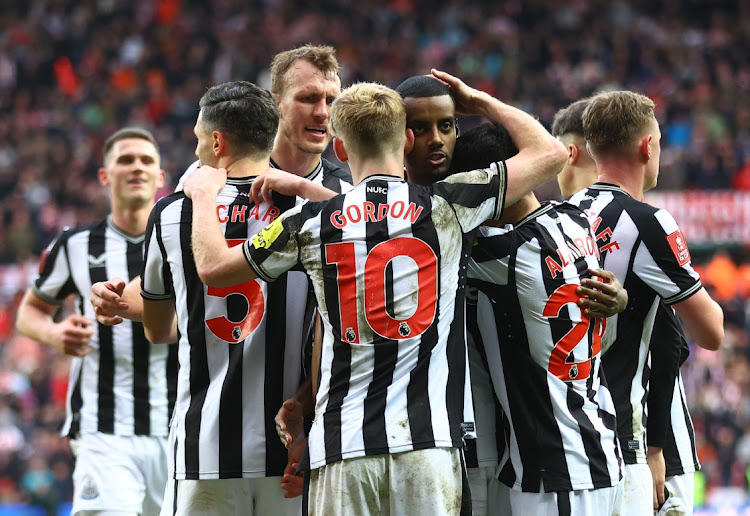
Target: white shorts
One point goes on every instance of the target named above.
(637, 491)
(589, 502)
(259, 496)
(420, 482)
(482, 482)
(680, 501)
(119, 473)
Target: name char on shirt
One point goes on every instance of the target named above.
(370, 212)
(243, 213)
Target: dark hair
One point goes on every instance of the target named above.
(570, 119)
(421, 86)
(482, 146)
(127, 133)
(245, 114)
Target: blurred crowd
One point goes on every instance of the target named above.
(73, 71)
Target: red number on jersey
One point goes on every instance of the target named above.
(376, 314)
(231, 331)
(558, 360)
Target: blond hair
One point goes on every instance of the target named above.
(614, 120)
(370, 118)
(322, 57)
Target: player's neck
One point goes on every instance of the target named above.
(576, 180)
(389, 164)
(291, 159)
(244, 167)
(131, 220)
(629, 180)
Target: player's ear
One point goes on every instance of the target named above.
(588, 150)
(161, 178)
(573, 153)
(409, 141)
(458, 131)
(339, 150)
(645, 147)
(219, 143)
(102, 175)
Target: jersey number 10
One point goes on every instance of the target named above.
(373, 282)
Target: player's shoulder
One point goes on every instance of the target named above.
(333, 170)
(81, 231)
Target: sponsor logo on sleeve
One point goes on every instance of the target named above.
(679, 247)
(268, 235)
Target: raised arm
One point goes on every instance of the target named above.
(540, 155)
(217, 264)
(35, 320)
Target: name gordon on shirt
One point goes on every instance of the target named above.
(371, 212)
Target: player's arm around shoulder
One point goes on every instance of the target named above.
(218, 265)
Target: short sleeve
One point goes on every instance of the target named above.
(662, 260)
(55, 281)
(156, 280)
(275, 249)
(475, 196)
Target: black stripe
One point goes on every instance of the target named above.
(173, 368)
(106, 395)
(76, 402)
(174, 501)
(417, 392)
(342, 353)
(276, 453)
(231, 418)
(563, 503)
(466, 507)
(385, 350)
(199, 374)
(141, 354)
(592, 442)
(472, 327)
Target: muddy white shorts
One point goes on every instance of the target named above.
(421, 482)
(258, 496)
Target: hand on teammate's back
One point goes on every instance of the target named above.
(107, 301)
(602, 295)
(206, 179)
(274, 180)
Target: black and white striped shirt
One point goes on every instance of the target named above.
(125, 385)
(680, 454)
(644, 248)
(543, 352)
(387, 262)
(240, 347)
